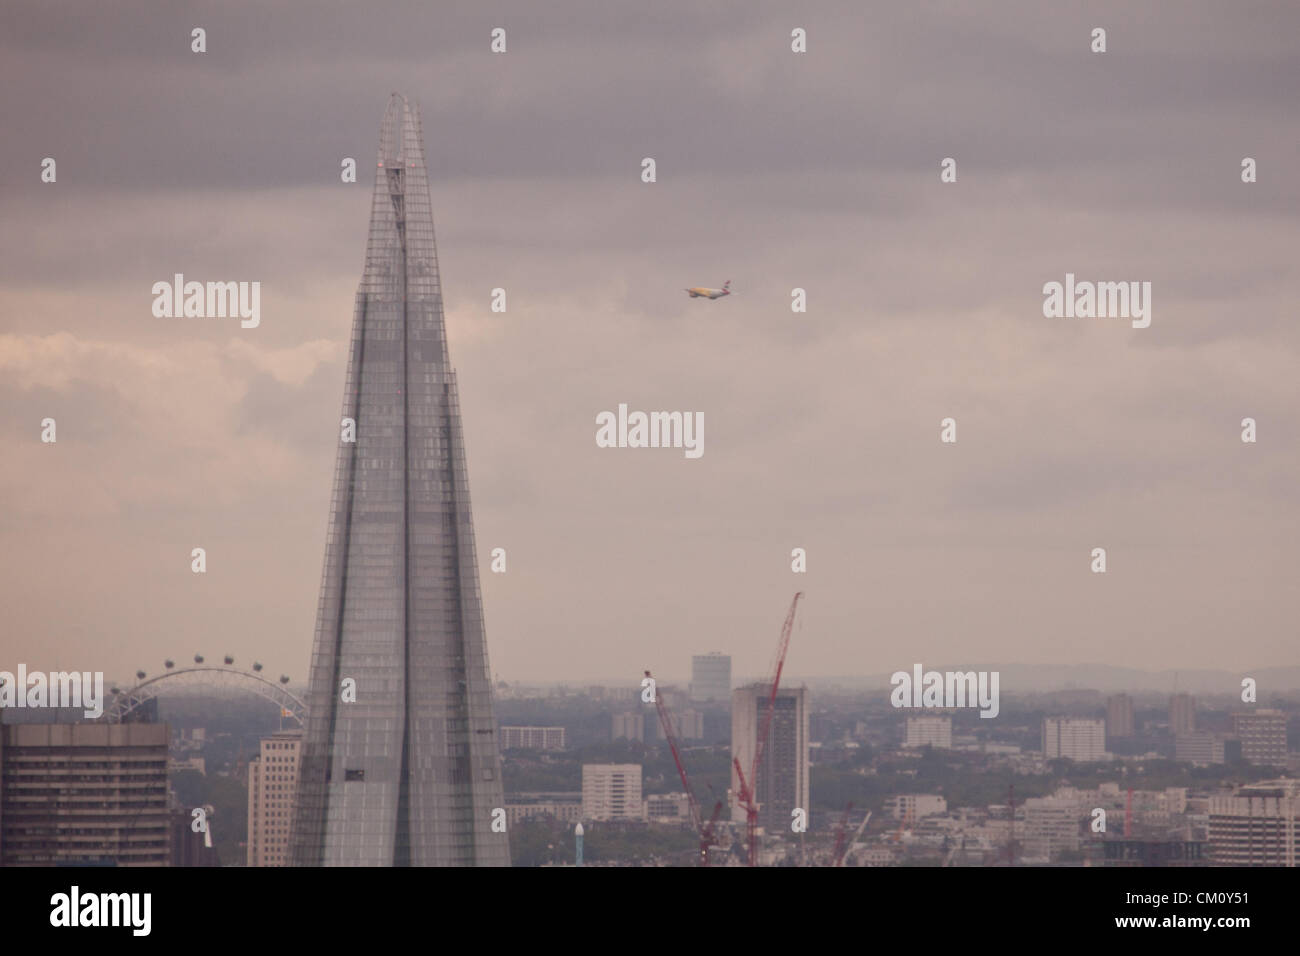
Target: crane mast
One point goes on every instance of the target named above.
(705, 830)
(747, 796)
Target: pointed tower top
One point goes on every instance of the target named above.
(393, 131)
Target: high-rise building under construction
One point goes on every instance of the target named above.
(400, 764)
(783, 776)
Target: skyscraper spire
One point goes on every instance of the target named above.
(405, 770)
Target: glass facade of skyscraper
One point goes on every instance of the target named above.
(409, 772)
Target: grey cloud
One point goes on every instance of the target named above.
(775, 171)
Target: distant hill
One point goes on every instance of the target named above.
(1019, 678)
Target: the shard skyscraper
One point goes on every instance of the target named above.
(408, 773)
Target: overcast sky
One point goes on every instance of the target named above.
(775, 170)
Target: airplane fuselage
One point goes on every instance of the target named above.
(702, 292)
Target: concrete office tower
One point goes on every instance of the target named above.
(1263, 736)
(911, 807)
(1201, 748)
(933, 732)
(1051, 827)
(711, 677)
(628, 726)
(83, 794)
(272, 796)
(1257, 825)
(783, 776)
(612, 791)
(1119, 716)
(409, 773)
(1182, 714)
(1077, 738)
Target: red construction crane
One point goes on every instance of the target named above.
(746, 796)
(705, 830)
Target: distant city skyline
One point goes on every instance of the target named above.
(1155, 683)
(1209, 798)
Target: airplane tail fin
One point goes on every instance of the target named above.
(726, 286)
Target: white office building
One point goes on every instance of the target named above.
(911, 807)
(611, 791)
(930, 731)
(1076, 738)
(1256, 825)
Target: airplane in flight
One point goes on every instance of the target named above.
(710, 293)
